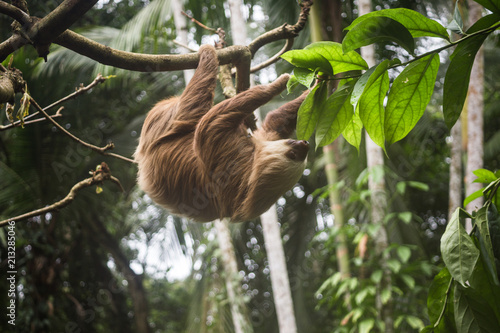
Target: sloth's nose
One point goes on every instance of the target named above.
(298, 151)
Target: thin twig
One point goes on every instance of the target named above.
(78, 91)
(100, 150)
(288, 45)
(100, 175)
(198, 22)
(183, 45)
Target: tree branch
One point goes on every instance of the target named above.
(99, 79)
(15, 13)
(101, 174)
(288, 45)
(286, 31)
(100, 150)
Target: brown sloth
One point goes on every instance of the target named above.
(200, 161)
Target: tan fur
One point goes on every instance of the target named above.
(197, 160)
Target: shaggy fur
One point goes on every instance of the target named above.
(198, 160)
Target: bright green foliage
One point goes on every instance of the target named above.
(306, 117)
(325, 57)
(352, 132)
(408, 95)
(456, 82)
(493, 5)
(459, 252)
(466, 294)
(378, 29)
(417, 24)
(371, 103)
(338, 114)
(341, 62)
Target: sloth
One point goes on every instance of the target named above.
(200, 161)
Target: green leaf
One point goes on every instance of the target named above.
(352, 132)
(366, 325)
(473, 313)
(371, 103)
(415, 322)
(338, 112)
(410, 93)
(493, 5)
(458, 250)
(378, 29)
(405, 217)
(457, 24)
(404, 253)
(456, 82)
(473, 196)
(304, 76)
(307, 116)
(340, 61)
(376, 276)
(408, 280)
(484, 23)
(417, 24)
(440, 301)
(485, 244)
(418, 185)
(484, 176)
(292, 83)
(308, 59)
(360, 85)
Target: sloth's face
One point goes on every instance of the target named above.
(281, 162)
(298, 150)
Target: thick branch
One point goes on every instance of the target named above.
(44, 31)
(100, 175)
(14, 12)
(138, 61)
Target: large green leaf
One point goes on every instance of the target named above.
(338, 111)
(308, 59)
(473, 313)
(440, 301)
(304, 76)
(371, 103)
(340, 62)
(458, 250)
(378, 29)
(308, 114)
(410, 93)
(456, 81)
(417, 24)
(485, 242)
(352, 132)
(493, 5)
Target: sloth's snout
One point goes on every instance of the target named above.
(298, 150)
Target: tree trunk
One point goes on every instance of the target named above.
(238, 310)
(475, 106)
(283, 302)
(375, 159)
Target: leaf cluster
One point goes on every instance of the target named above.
(387, 110)
(465, 295)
